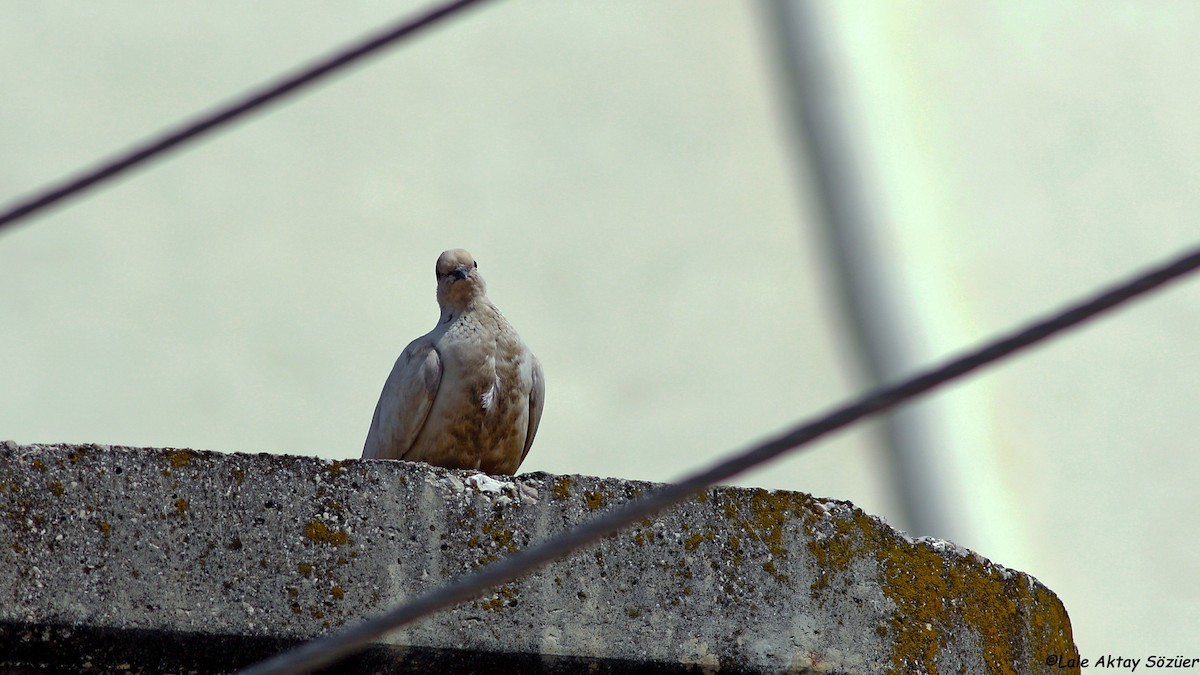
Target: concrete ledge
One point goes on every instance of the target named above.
(148, 560)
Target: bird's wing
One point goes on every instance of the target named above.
(537, 397)
(405, 402)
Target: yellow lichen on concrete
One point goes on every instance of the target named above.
(764, 518)
(644, 534)
(934, 591)
(178, 458)
(1049, 627)
(914, 579)
(735, 549)
(695, 540)
(503, 597)
(561, 488)
(182, 506)
(500, 535)
(593, 499)
(835, 552)
(641, 537)
(320, 533)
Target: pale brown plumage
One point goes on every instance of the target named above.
(466, 395)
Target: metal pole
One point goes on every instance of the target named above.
(821, 137)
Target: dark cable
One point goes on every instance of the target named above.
(250, 102)
(330, 648)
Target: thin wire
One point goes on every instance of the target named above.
(253, 101)
(328, 649)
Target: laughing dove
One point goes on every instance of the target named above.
(466, 395)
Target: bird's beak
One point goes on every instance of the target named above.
(460, 272)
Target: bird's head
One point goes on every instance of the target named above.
(459, 283)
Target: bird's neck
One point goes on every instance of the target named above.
(476, 304)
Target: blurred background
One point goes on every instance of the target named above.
(651, 191)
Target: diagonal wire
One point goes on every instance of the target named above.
(330, 648)
(252, 101)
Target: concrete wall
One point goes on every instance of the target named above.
(115, 554)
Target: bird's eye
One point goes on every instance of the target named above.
(476, 264)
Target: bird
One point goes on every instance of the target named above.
(466, 395)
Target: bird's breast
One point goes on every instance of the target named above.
(480, 417)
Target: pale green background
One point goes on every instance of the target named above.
(622, 173)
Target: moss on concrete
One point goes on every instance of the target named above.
(319, 532)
